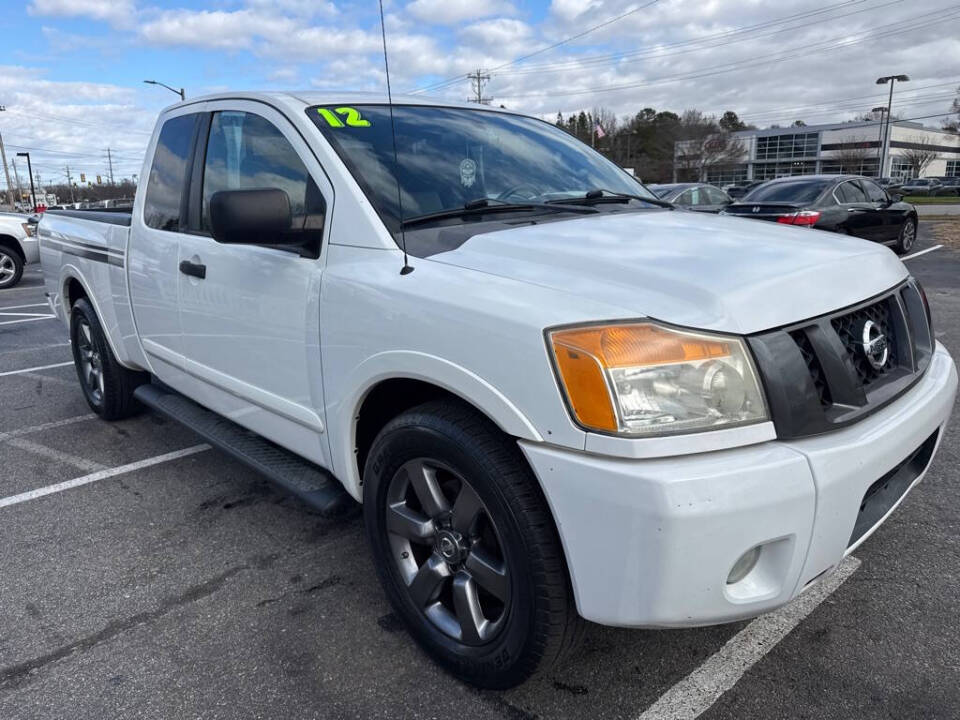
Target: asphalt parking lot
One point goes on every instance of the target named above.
(184, 586)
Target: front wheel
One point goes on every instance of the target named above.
(11, 268)
(465, 545)
(907, 238)
(107, 386)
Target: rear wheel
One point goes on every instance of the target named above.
(11, 268)
(908, 236)
(107, 386)
(466, 547)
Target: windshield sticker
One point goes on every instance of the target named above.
(468, 172)
(349, 117)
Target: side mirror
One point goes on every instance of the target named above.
(895, 197)
(252, 217)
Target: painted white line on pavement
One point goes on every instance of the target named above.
(57, 456)
(33, 319)
(34, 369)
(697, 692)
(922, 252)
(23, 314)
(101, 475)
(45, 426)
(21, 307)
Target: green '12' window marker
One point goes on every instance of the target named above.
(351, 117)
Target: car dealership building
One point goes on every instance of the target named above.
(851, 147)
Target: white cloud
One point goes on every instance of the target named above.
(451, 12)
(116, 12)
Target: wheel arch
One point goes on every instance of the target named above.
(11, 243)
(390, 383)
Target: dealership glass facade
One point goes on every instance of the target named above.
(900, 169)
(839, 148)
(786, 147)
(727, 175)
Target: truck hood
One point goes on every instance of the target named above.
(700, 271)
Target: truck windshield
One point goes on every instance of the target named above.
(451, 157)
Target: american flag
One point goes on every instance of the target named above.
(600, 131)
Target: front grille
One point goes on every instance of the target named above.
(813, 366)
(818, 375)
(847, 327)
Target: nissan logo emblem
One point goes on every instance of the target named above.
(874, 345)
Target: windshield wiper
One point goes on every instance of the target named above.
(600, 195)
(482, 206)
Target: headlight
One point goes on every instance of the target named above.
(646, 379)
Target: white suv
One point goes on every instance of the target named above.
(18, 247)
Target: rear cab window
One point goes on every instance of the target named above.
(168, 173)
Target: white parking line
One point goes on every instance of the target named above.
(57, 456)
(33, 319)
(34, 369)
(23, 314)
(45, 426)
(100, 475)
(922, 252)
(21, 307)
(697, 692)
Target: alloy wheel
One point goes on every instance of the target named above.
(91, 363)
(448, 551)
(909, 235)
(8, 268)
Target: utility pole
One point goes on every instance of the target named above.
(478, 79)
(110, 165)
(70, 183)
(16, 175)
(6, 171)
(892, 79)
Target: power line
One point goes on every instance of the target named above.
(575, 37)
(657, 51)
(605, 23)
(745, 29)
(823, 47)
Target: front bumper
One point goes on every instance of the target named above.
(31, 250)
(650, 543)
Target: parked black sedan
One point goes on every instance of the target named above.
(699, 197)
(841, 203)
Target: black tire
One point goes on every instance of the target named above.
(11, 267)
(107, 386)
(907, 238)
(537, 624)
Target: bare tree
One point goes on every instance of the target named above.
(851, 156)
(704, 144)
(921, 154)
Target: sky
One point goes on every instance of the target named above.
(72, 71)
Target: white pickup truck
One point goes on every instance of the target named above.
(18, 247)
(555, 397)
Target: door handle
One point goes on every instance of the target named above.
(196, 270)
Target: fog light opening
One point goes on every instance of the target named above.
(742, 567)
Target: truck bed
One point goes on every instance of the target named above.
(113, 216)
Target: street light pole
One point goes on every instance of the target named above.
(886, 135)
(882, 110)
(33, 192)
(180, 92)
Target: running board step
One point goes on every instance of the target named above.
(301, 478)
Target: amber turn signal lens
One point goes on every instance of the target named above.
(584, 355)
